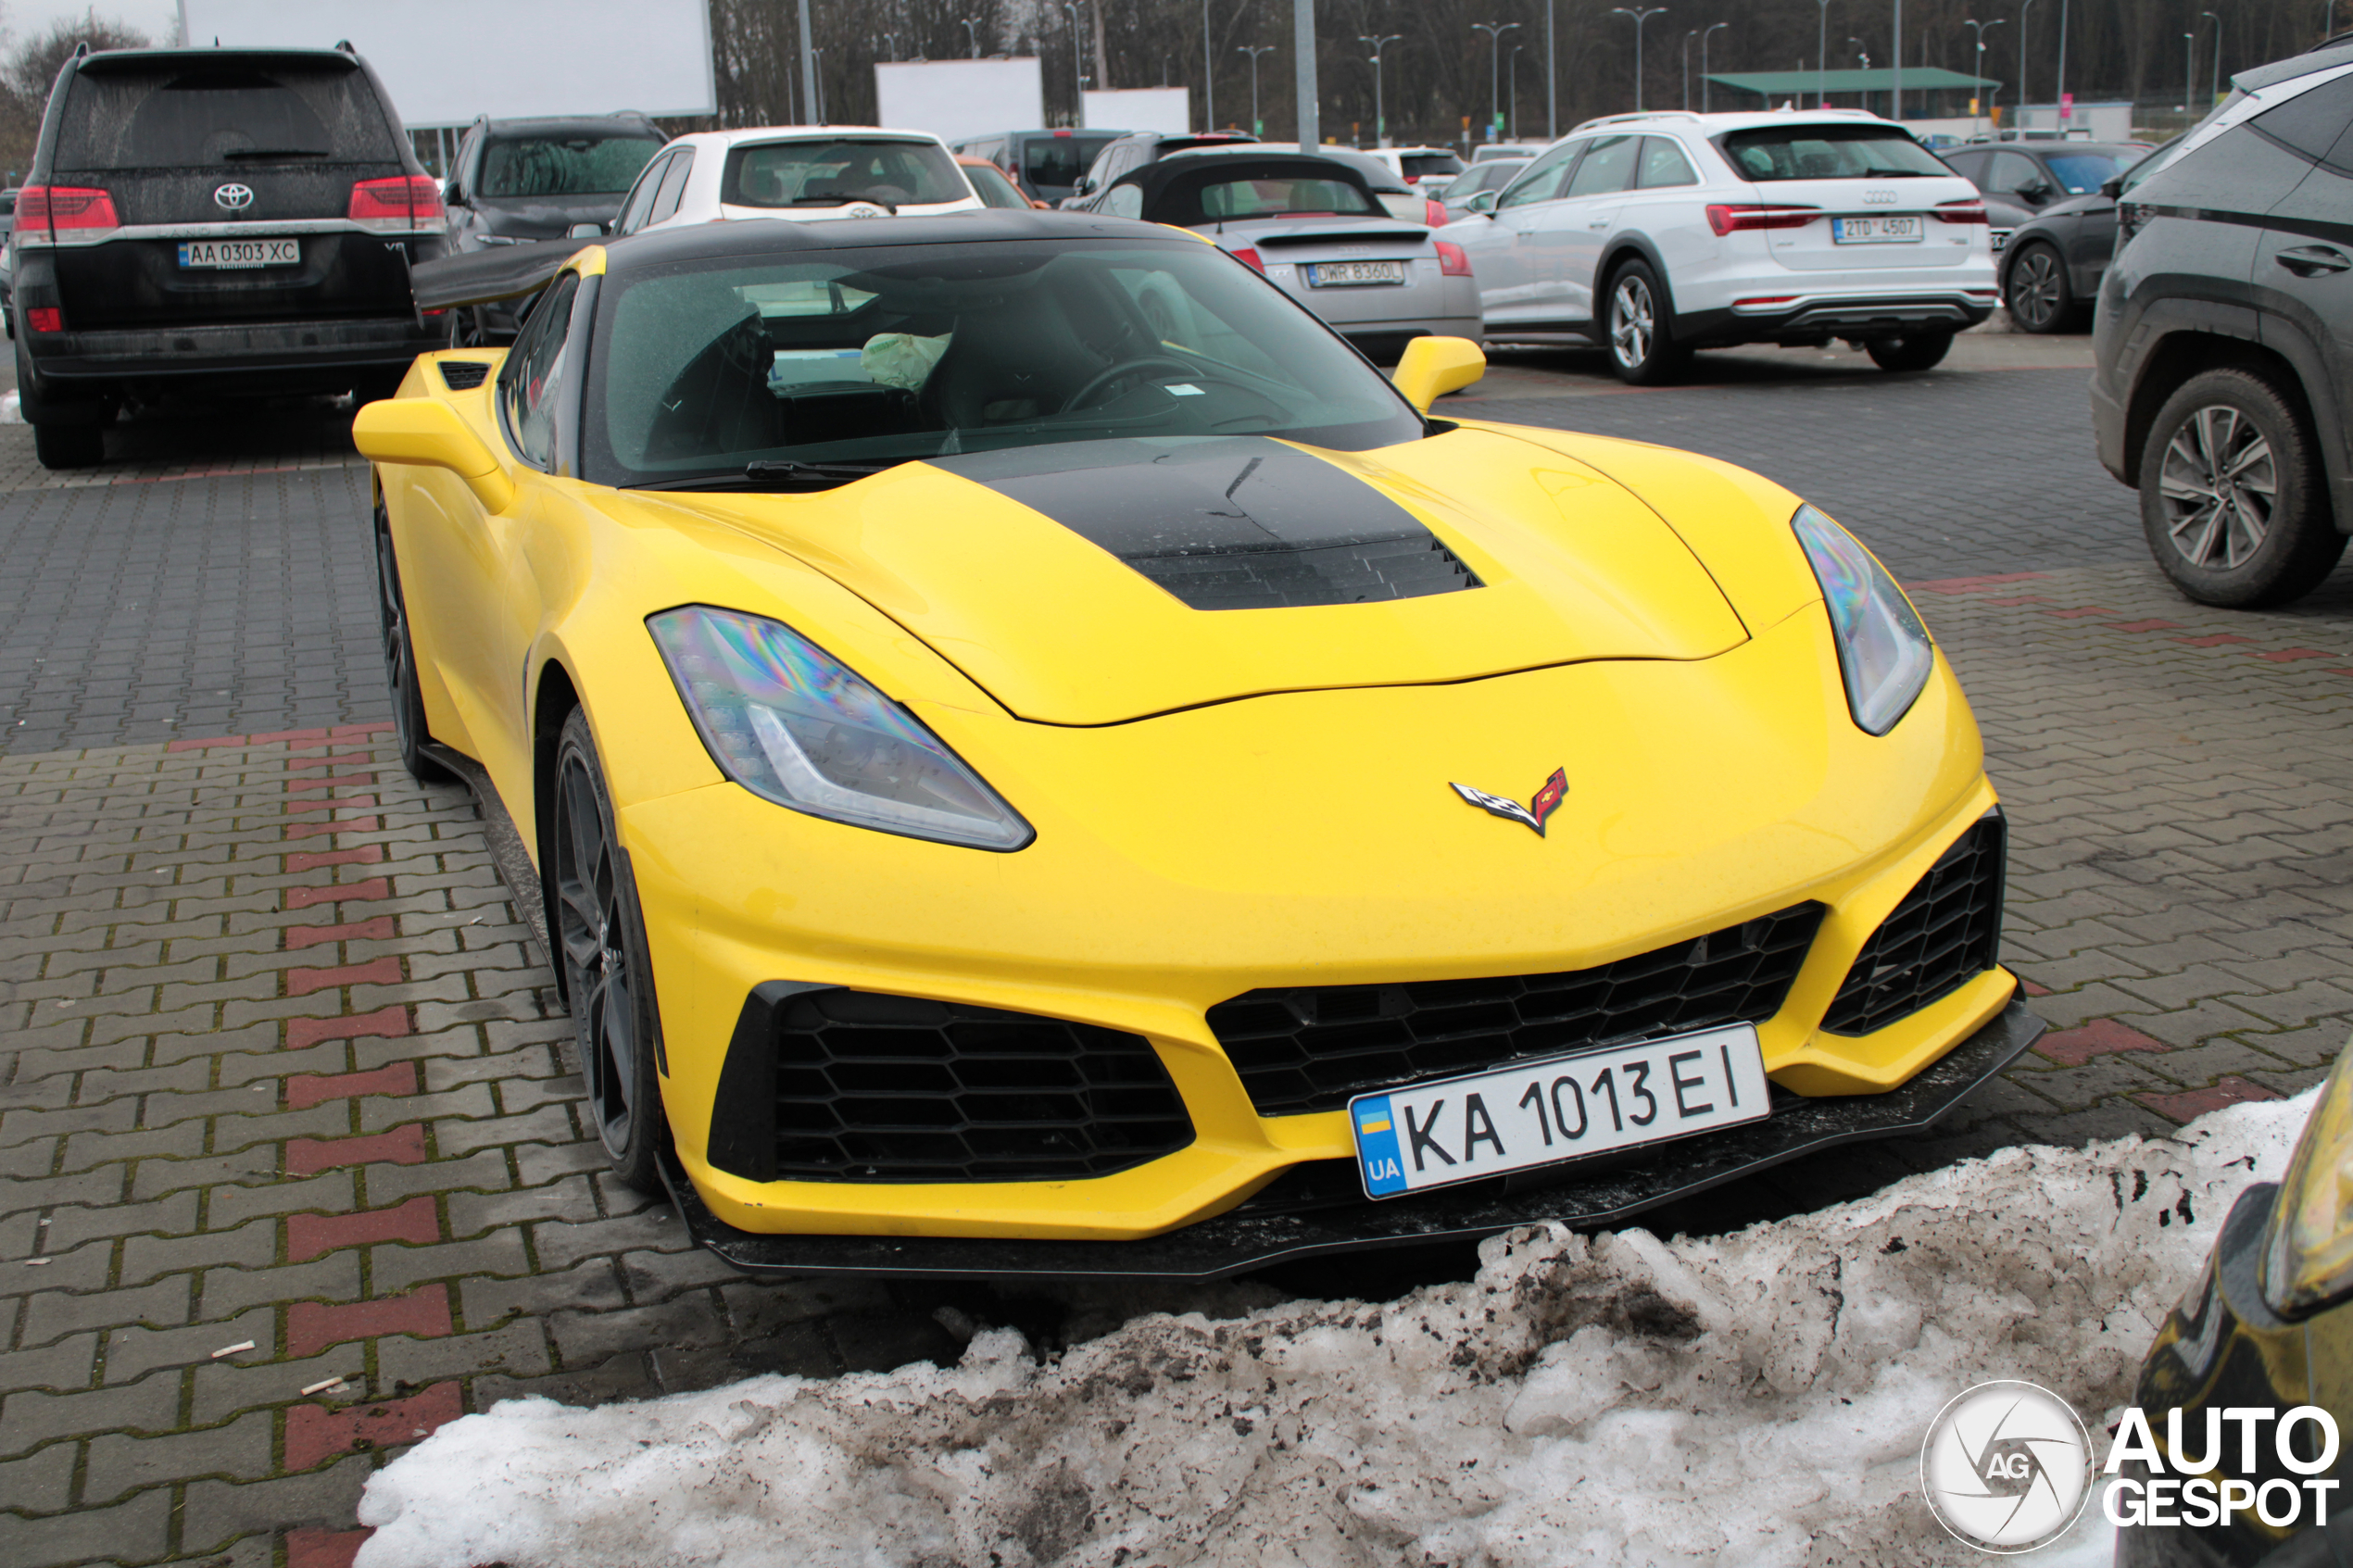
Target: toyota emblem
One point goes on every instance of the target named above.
(236, 198)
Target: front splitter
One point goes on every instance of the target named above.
(1240, 1241)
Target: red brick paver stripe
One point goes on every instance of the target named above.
(384, 970)
(402, 1146)
(286, 735)
(311, 860)
(350, 824)
(2216, 641)
(334, 781)
(323, 1548)
(308, 1236)
(2079, 614)
(390, 1021)
(331, 759)
(2021, 599)
(1968, 584)
(2289, 655)
(2031, 988)
(352, 731)
(314, 1432)
(311, 1326)
(333, 803)
(376, 930)
(2151, 624)
(2102, 1037)
(305, 1090)
(337, 892)
(2192, 1103)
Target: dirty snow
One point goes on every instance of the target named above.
(1752, 1400)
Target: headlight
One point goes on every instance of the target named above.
(2309, 1259)
(1883, 648)
(788, 723)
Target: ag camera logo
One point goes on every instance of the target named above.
(2006, 1466)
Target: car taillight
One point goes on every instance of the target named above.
(405, 201)
(1246, 253)
(82, 211)
(1433, 213)
(45, 319)
(1969, 209)
(1451, 262)
(1726, 220)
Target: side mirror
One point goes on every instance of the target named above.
(2112, 187)
(1480, 201)
(427, 431)
(2037, 191)
(586, 231)
(453, 195)
(1430, 368)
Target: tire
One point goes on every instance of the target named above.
(1920, 351)
(599, 934)
(1636, 328)
(400, 661)
(69, 446)
(2036, 287)
(2264, 534)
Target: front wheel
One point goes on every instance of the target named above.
(599, 939)
(2037, 291)
(1642, 345)
(1915, 351)
(2232, 500)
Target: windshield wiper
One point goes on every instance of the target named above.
(891, 207)
(770, 471)
(275, 152)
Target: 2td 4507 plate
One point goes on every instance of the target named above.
(1555, 1111)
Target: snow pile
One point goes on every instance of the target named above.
(1754, 1400)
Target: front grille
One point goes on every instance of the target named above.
(463, 375)
(898, 1089)
(1312, 1048)
(1947, 929)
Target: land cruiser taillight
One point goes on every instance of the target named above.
(1726, 220)
(1966, 211)
(405, 202)
(45, 320)
(80, 213)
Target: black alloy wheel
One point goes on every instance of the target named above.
(1914, 351)
(2037, 291)
(1639, 338)
(2232, 500)
(400, 661)
(608, 977)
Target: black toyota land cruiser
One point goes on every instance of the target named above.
(229, 221)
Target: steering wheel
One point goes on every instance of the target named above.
(1122, 371)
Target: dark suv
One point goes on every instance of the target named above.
(228, 219)
(519, 180)
(2221, 345)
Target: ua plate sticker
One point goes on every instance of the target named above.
(1553, 1111)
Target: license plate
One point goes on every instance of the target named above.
(1564, 1109)
(1873, 231)
(1326, 275)
(241, 253)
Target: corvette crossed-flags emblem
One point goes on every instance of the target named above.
(1530, 816)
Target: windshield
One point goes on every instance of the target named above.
(863, 358)
(1420, 166)
(840, 170)
(2082, 174)
(1059, 161)
(995, 188)
(1828, 151)
(170, 116)
(564, 166)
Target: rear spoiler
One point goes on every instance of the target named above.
(498, 272)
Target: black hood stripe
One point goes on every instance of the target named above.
(1244, 522)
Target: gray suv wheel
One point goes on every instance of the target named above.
(2231, 494)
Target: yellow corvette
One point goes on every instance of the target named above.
(1037, 759)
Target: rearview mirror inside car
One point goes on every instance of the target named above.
(424, 431)
(1432, 366)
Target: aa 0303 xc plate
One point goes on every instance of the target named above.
(1557, 1110)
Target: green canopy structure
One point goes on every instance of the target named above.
(1797, 84)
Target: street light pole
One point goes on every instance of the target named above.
(2058, 81)
(1495, 68)
(1253, 51)
(1381, 121)
(1208, 74)
(1077, 63)
(1977, 70)
(2214, 66)
(1895, 53)
(1641, 15)
(970, 22)
(1552, 77)
(2024, 6)
(1511, 120)
(1302, 43)
(1821, 52)
(808, 71)
(2189, 70)
(1703, 63)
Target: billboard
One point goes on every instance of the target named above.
(447, 61)
(953, 100)
(1169, 110)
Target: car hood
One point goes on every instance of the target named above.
(1100, 582)
(543, 218)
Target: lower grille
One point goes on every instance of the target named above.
(867, 1087)
(1947, 931)
(1312, 1048)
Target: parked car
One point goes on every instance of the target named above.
(808, 173)
(1653, 234)
(2022, 180)
(1487, 152)
(515, 180)
(1045, 164)
(1492, 174)
(995, 187)
(2220, 370)
(1415, 165)
(7, 279)
(2052, 261)
(1399, 200)
(2266, 1328)
(1018, 794)
(1133, 151)
(230, 221)
(1313, 226)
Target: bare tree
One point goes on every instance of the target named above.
(30, 69)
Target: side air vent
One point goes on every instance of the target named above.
(1946, 932)
(463, 375)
